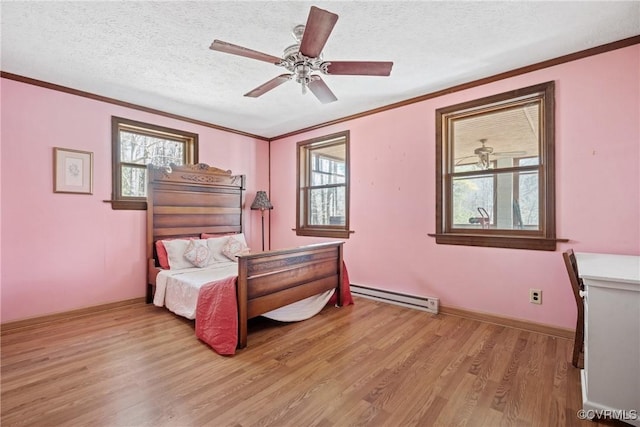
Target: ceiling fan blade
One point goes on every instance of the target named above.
(321, 90)
(233, 49)
(266, 87)
(509, 153)
(461, 160)
(360, 68)
(319, 25)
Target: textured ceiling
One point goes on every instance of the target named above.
(156, 53)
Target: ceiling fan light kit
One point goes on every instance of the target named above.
(483, 152)
(304, 58)
(483, 155)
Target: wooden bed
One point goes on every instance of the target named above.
(185, 201)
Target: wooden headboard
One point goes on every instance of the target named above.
(188, 200)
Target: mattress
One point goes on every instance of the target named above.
(178, 290)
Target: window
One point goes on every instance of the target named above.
(495, 171)
(323, 187)
(134, 146)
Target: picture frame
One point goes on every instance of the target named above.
(72, 171)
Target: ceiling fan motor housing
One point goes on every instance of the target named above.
(484, 149)
(297, 63)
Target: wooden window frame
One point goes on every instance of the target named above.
(542, 239)
(119, 202)
(302, 189)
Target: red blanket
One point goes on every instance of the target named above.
(217, 312)
(217, 315)
(347, 299)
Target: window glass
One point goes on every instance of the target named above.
(505, 133)
(323, 186)
(495, 176)
(472, 201)
(136, 145)
(144, 149)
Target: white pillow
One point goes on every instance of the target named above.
(197, 253)
(234, 246)
(175, 253)
(216, 244)
(240, 238)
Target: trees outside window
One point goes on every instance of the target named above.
(323, 186)
(134, 146)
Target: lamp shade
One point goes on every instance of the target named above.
(261, 201)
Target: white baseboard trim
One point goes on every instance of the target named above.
(432, 305)
(410, 301)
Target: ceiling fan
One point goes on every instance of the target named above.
(304, 58)
(483, 152)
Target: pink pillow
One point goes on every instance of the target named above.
(161, 252)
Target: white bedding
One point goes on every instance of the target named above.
(301, 310)
(177, 290)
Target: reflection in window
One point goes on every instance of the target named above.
(472, 201)
(495, 171)
(507, 200)
(487, 196)
(323, 187)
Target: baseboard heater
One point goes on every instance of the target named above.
(410, 301)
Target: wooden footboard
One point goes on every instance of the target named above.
(273, 279)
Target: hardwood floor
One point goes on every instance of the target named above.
(371, 364)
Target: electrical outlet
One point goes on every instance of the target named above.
(535, 296)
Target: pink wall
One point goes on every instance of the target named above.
(61, 252)
(393, 194)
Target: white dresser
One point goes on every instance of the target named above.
(611, 374)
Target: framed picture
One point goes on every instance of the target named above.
(72, 171)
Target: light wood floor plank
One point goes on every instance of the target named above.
(371, 364)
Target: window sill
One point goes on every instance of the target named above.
(127, 205)
(495, 241)
(323, 232)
